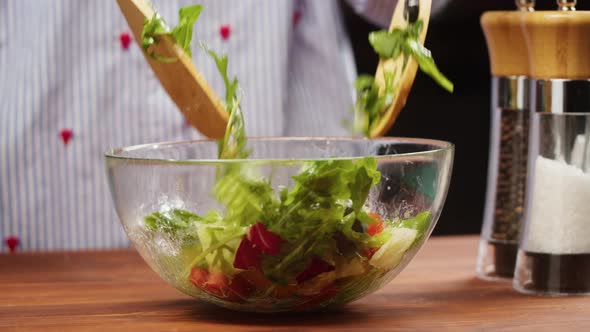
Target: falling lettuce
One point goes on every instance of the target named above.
(405, 42)
(155, 28)
(372, 101)
(233, 143)
(231, 86)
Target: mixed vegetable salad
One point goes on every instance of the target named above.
(310, 244)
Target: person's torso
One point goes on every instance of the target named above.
(70, 89)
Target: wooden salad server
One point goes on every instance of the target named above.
(182, 81)
(404, 11)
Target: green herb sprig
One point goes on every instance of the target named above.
(155, 28)
(372, 101)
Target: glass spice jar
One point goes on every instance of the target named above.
(507, 166)
(554, 249)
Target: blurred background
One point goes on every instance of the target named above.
(458, 46)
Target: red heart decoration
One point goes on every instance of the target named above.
(125, 39)
(296, 17)
(12, 243)
(66, 135)
(185, 124)
(225, 31)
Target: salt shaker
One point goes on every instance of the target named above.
(554, 251)
(508, 142)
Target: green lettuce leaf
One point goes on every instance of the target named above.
(371, 99)
(390, 44)
(173, 222)
(155, 28)
(231, 86)
(183, 32)
(420, 222)
(365, 175)
(325, 200)
(233, 143)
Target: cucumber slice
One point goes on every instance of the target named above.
(392, 252)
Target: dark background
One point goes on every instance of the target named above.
(463, 118)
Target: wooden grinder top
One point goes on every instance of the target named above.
(558, 44)
(506, 43)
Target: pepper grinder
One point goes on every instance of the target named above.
(554, 251)
(508, 141)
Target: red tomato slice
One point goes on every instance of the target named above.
(199, 277)
(240, 287)
(377, 227)
(267, 241)
(217, 284)
(248, 256)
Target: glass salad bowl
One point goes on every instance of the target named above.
(302, 224)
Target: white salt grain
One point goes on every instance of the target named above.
(560, 211)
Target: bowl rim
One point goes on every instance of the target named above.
(438, 147)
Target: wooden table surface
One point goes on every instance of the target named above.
(116, 291)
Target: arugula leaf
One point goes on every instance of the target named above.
(219, 242)
(183, 32)
(368, 104)
(233, 143)
(426, 63)
(365, 175)
(372, 100)
(155, 28)
(387, 44)
(347, 228)
(390, 44)
(231, 86)
(246, 199)
(325, 200)
(173, 222)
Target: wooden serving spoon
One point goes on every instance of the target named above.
(405, 77)
(181, 79)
